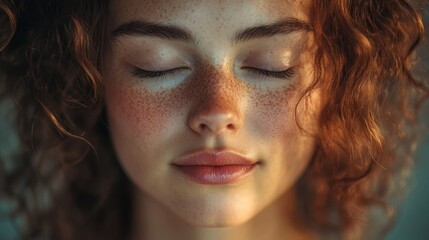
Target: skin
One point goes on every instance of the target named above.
(153, 121)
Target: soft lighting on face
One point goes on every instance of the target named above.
(230, 85)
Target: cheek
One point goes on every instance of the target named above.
(140, 123)
(274, 112)
(138, 113)
(281, 112)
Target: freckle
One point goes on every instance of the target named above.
(273, 106)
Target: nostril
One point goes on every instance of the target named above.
(214, 123)
(203, 126)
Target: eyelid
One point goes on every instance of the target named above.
(284, 74)
(142, 73)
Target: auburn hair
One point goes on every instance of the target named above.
(63, 179)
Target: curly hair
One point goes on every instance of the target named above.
(64, 177)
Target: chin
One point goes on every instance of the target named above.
(209, 216)
(223, 223)
(218, 223)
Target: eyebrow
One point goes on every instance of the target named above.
(284, 27)
(144, 28)
(171, 32)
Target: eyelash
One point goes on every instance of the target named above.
(138, 72)
(286, 74)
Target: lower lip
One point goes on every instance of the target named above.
(225, 174)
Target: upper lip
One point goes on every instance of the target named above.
(213, 158)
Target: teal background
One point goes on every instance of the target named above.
(413, 220)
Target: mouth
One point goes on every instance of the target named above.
(215, 167)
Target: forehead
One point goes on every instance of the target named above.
(193, 13)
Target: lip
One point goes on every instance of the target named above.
(215, 167)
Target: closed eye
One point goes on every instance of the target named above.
(141, 73)
(288, 73)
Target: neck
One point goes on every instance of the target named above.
(153, 221)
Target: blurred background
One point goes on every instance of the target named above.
(413, 221)
(413, 216)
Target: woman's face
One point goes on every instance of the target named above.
(201, 97)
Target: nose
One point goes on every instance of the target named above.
(217, 106)
(215, 119)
